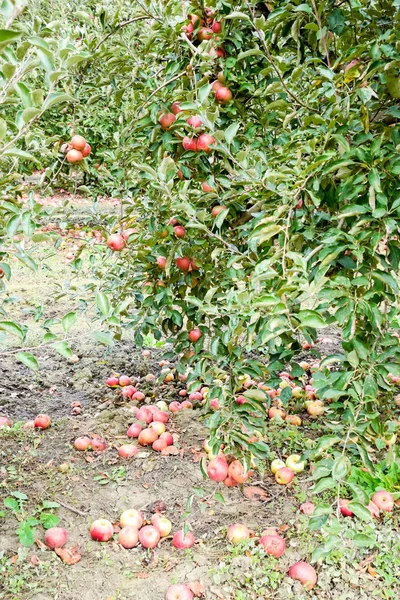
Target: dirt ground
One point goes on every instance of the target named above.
(89, 486)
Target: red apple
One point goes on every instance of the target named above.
(190, 144)
(236, 472)
(196, 396)
(147, 437)
(383, 500)
(78, 142)
(179, 231)
(128, 391)
(128, 451)
(293, 420)
(55, 537)
(166, 120)
(134, 430)
(182, 541)
(179, 592)
(182, 393)
(167, 437)
(315, 410)
(218, 468)
(186, 404)
(307, 508)
(116, 242)
(5, 422)
(216, 26)
(158, 427)
(161, 416)
(205, 141)
(223, 95)
(175, 108)
(237, 533)
(98, 444)
(216, 85)
(161, 261)
(86, 151)
(214, 403)
(144, 414)
(175, 406)
(304, 573)
(183, 263)
(149, 536)
(241, 400)
(124, 380)
(82, 443)
(274, 545)
(346, 512)
(42, 422)
(128, 537)
(205, 33)
(195, 122)
(131, 517)
(101, 530)
(373, 509)
(138, 396)
(217, 210)
(207, 188)
(74, 156)
(194, 335)
(161, 523)
(284, 476)
(276, 412)
(230, 482)
(112, 381)
(159, 445)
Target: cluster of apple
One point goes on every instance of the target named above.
(224, 469)
(40, 422)
(274, 545)
(285, 472)
(94, 442)
(381, 500)
(76, 150)
(127, 386)
(155, 435)
(118, 241)
(135, 529)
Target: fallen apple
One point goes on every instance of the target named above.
(274, 545)
(237, 533)
(179, 592)
(101, 530)
(295, 463)
(183, 541)
(276, 465)
(161, 523)
(149, 536)
(383, 500)
(128, 451)
(284, 476)
(131, 517)
(305, 573)
(55, 537)
(42, 422)
(128, 537)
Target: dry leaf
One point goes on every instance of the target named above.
(196, 587)
(34, 560)
(142, 575)
(70, 556)
(372, 571)
(170, 451)
(252, 492)
(13, 559)
(40, 544)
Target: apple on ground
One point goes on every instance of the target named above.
(42, 422)
(128, 537)
(274, 545)
(277, 464)
(179, 592)
(131, 517)
(295, 463)
(284, 476)
(218, 469)
(383, 500)
(305, 573)
(101, 530)
(237, 533)
(5, 422)
(55, 537)
(307, 508)
(161, 523)
(149, 536)
(183, 541)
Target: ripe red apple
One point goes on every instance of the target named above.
(237, 533)
(124, 380)
(346, 512)
(167, 437)
(218, 469)
(241, 400)
(128, 451)
(179, 592)
(183, 263)
(284, 476)
(42, 422)
(112, 381)
(196, 396)
(190, 144)
(214, 403)
(182, 541)
(179, 231)
(161, 523)
(175, 406)
(216, 26)
(195, 122)
(204, 142)
(274, 545)
(304, 573)
(236, 472)
(74, 156)
(116, 242)
(307, 508)
(182, 393)
(138, 396)
(128, 391)
(86, 151)
(383, 500)
(159, 445)
(131, 517)
(82, 443)
(293, 420)
(98, 444)
(78, 142)
(207, 188)
(194, 335)
(276, 412)
(166, 120)
(5, 422)
(315, 410)
(186, 404)
(217, 210)
(230, 482)
(134, 430)
(149, 536)
(144, 414)
(176, 108)
(161, 261)
(205, 33)
(217, 52)
(161, 416)
(55, 537)
(223, 95)
(101, 530)
(128, 537)
(147, 437)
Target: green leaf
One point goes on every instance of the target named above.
(49, 520)
(317, 522)
(7, 36)
(310, 318)
(20, 154)
(29, 114)
(374, 179)
(12, 226)
(12, 328)
(26, 534)
(324, 484)
(303, 8)
(360, 511)
(28, 360)
(341, 468)
(3, 129)
(57, 98)
(103, 304)
(103, 337)
(12, 503)
(231, 131)
(361, 540)
(69, 320)
(63, 349)
(24, 94)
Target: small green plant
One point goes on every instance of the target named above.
(117, 475)
(41, 515)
